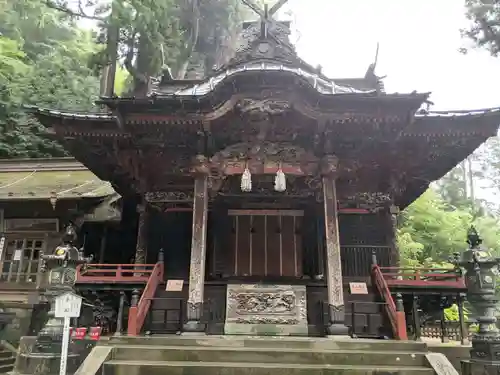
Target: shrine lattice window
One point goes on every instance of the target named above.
(21, 258)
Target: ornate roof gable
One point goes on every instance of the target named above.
(264, 46)
(266, 39)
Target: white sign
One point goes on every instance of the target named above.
(358, 288)
(18, 254)
(174, 285)
(68, 305)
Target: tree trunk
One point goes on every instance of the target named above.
(471, 180)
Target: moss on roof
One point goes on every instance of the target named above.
(64, 184)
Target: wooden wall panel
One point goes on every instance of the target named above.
(288, 262)
(233, 245)
(243, 246)
(297, 245)
(273, 246)
(266, 244)
(259, 246)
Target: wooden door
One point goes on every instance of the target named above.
(266, 243)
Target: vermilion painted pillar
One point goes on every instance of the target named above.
(198, 257)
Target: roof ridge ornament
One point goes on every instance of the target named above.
(265, 14)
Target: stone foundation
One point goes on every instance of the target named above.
(267, 310)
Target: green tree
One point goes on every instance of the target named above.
(151, 36)
(44, 62)
(430, 232)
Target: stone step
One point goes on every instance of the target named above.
(6, 353)
(116, 367)
(265, 355)
(7, 360)
(6, 368)
(274, 342)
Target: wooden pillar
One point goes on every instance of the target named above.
(336, 309)
(102, 248)
(142, 236)
(198, 257)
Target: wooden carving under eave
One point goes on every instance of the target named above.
(264, 158)
(168, 196)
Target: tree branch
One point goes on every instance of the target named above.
(191, 42)
(72, 13)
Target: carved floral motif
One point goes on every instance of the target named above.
(264, 303)
(263, 106)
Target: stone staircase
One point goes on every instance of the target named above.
(7, 360)
(230, 355)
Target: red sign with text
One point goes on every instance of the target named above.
(95, 333)
(78, 333)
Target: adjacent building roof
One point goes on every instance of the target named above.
(49, 178)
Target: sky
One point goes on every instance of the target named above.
(419, 42)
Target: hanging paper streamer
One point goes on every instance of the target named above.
(280, 181)
(246, 181)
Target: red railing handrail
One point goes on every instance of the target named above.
(113, 273)
(394, 316)
(422, 274)
(137, 314)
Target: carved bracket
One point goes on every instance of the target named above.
(168, 196)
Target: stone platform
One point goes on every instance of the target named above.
(255, 309)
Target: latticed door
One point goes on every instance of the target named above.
(21, 258)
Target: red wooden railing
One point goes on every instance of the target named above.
(114, 273)
(137, 314)
(396, 318)
(423, 277)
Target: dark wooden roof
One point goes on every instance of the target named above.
(403, 157)
(266, 92)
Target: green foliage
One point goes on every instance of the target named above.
(430, 231)
(43, 61)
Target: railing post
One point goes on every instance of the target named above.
(442, 325)
(417, 274)
(464, 333)
(161, 260)
(416, 318)
(353, 320)
(119, 318)
(400, 318)
(132, 314)
(374, 258)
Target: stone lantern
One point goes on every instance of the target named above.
(481, 270)
(60, 266)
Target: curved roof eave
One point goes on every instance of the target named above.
(317, 81)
